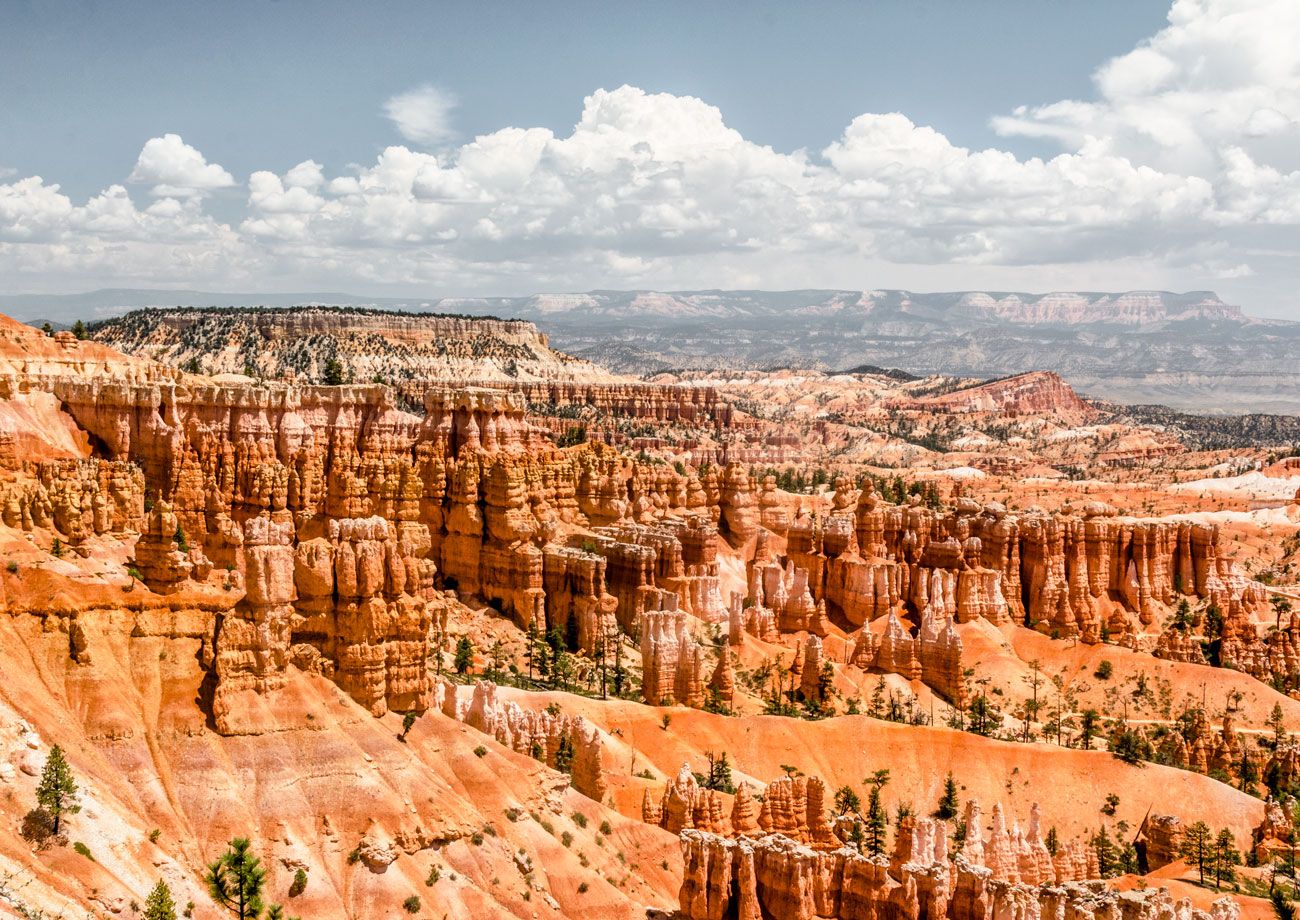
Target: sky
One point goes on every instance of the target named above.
(434, 149)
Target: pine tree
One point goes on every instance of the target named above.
(564, 753)
(1198, 847)
(235, 880)
(1277, 722)
(1053, 843)
(57, 791)
(1225, 857)
(1282, 908)
(877, 820)
(464, 659)
(79, 330)
(847, 801)
(159, 906)
(948, 804)
(333, 372)
(1106, 857)
(720, 773)
(1088, 728)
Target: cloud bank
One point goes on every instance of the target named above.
(1184, 160)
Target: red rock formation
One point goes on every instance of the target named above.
(1161, 837)
(1035, 393)
(686, 805)
(631, 399)
(535, 733)
(774, 876)
(671, 660)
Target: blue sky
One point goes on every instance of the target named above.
(293, 145)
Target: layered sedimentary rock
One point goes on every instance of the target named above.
(77, 498)
(266, 488)
(1161, 838)
(1067, 575)
(686, 805)
(672, 662)
(279, 343)
(677, 555)
(776, 877)
(539, 734)
(631, 399)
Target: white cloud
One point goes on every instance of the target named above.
(1223, 72)
(174, 168)
(1166, 179)
(422, 115)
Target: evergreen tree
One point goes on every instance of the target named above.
(1282, 908)
(876, 819)
(1088, 728)
(847, 801)
(79, 330)
(1053, 843)
(948, 804)
(464, 659)
(1225, 857)
(235, 880)
(1107, 862)
(408, 722)
(333, 372)
(1198, 848)
(1277, 722)
(564, 753)
(159, 906)
(1131, 747)
(57, 791)
(720, 773)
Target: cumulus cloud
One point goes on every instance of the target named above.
(1166, 178)
(1223, 72)
(422, 115)
(176, 169)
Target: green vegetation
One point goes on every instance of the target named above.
(159, 906)
(57, 791)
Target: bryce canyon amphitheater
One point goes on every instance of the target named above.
(511, 635)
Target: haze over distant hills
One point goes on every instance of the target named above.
(1191, 350)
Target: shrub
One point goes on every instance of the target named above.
(83, 850)
(435, 873)
(299, 884)
(490, 829)
(582, 889)
(1104, 671)
(579, 819)
(605, 828)
(411, 905)
(477, 839)
(38, 828)
(480, 751)
(513, 814)
(548, 827)
(567, 839)
(154, 835)
(11, 567)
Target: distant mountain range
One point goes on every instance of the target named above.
(1190, 351)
